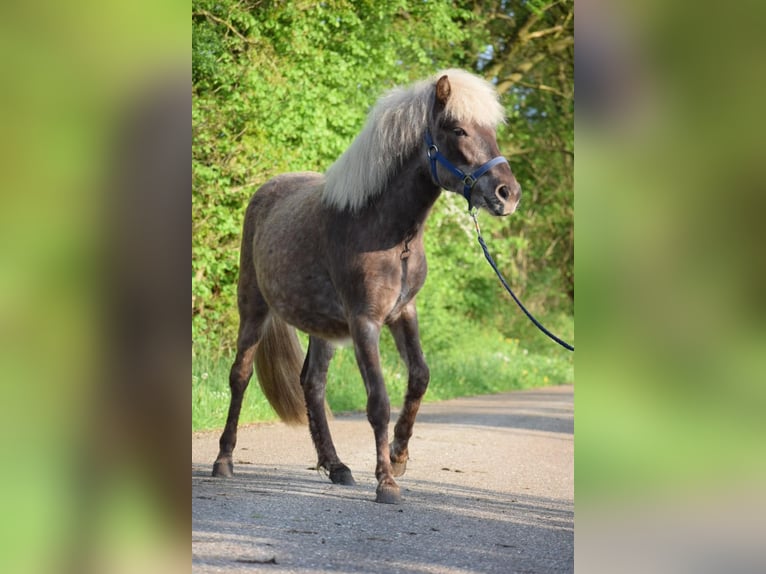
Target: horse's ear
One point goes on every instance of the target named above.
(443, 90)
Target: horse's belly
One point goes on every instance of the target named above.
(315, 321)
(308, 303)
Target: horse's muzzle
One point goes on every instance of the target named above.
(505, 200)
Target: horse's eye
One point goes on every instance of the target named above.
(460, 132)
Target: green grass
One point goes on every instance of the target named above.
(210, 393)
(475, 362)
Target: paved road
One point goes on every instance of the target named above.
(489, 488)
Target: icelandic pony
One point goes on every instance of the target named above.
(340, 255)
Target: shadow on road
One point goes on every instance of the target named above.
(489, 489)
(293, 520)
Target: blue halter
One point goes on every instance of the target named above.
(469, 180)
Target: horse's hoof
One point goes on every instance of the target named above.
(388, 493)
(341, 474)
(398, 468)
(223, 469)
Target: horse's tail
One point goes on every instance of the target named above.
(278, 363)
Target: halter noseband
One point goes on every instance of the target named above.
(469, 180)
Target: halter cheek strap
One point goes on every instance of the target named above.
(469, 180)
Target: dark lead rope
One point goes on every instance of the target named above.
(507, 287)
(469, 181)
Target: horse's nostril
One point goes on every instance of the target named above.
(503, 193)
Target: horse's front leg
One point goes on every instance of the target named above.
(366, 336)
(407, 337)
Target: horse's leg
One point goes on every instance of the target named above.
(405, 332)
(314, 381)
(366, 336)
(252, 313)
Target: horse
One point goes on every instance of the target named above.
(340, 255)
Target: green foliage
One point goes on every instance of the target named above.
(210, 392)
(483, 362)
(284, 86)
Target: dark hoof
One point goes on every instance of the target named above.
(342, 475)
(223, 469)
(388, 493)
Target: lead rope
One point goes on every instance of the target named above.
(507, 287)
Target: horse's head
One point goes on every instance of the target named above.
(463, 154)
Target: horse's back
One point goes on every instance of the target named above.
(286, 188)
(282, 205)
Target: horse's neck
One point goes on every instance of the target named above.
(407, 200)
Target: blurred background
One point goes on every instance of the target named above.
(94, 228)
(669, 456)
(94, 361)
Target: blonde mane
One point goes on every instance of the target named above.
(395, 127)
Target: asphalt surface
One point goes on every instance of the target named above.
(489, 488)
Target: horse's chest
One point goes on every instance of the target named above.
(398, 284)
(412, 279)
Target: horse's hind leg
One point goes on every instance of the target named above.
(314, 381)
(405, 332)
(252, 313)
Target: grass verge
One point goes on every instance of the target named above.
(478, 362)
